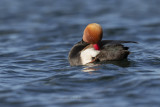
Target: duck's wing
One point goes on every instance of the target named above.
(113, 50)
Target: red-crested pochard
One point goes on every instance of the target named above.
(91, 49)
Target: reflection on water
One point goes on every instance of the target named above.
(95, 67)
(123, 63)
(91, 67)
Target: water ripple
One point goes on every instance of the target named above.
(35, 37)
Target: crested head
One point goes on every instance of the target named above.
(93, 33)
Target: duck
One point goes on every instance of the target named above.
(92, 49)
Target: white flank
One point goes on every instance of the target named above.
(87, 54)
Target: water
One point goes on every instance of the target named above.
(36, 35)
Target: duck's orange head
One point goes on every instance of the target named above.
(93, 33)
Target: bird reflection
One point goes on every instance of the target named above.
(123, 63)
(91, 67)
(96, 66)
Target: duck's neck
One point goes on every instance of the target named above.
(96, 46)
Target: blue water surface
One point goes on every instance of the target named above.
(36, 36)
